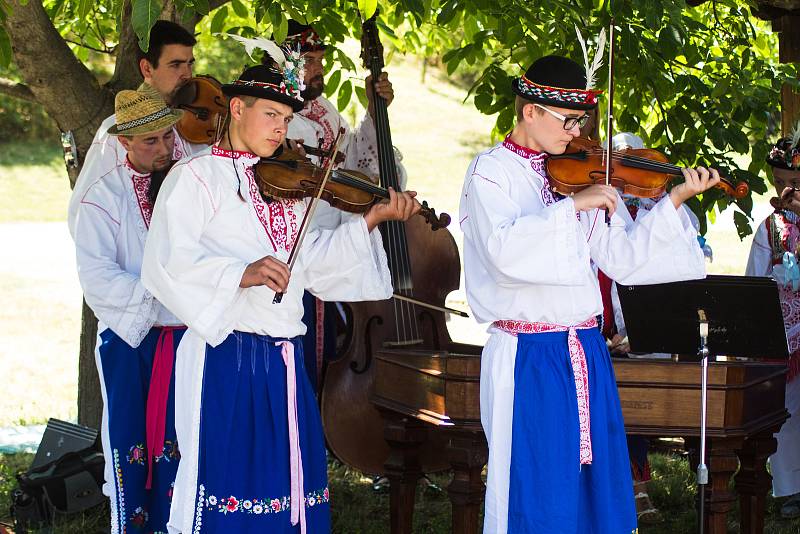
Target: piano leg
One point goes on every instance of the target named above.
(404, 436)
(468, 453)
(722, 464)
(753, 481)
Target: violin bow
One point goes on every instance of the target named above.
(310, 211)
(610, 115)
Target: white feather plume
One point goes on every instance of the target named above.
(251, 44)
(593, 67)
(796, 134)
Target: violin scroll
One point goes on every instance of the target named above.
(204, 106)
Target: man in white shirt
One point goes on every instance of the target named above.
(253, 449)
(137, 335)
(558, 462)
(165, 67)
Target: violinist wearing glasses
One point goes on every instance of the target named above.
(217, 255)
(558, 460)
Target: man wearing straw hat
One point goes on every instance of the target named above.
(253, 451)
(165, 67)
(137, 335)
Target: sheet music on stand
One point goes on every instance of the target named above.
(744, 314)
(718, 315)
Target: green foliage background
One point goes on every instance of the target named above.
(701, 83)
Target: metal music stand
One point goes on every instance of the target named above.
(716, 316)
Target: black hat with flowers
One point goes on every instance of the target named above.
(785, 154)
(303, 37)
(262, 81)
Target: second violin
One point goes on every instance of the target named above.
(642, 172)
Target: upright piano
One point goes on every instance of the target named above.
(422, 394)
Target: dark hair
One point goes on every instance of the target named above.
(164, 33)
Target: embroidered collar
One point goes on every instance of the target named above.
(133, 171)
(232, 154)
(524, 152)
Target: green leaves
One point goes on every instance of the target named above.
(218, 22)
(144, 15)
(345, 91)
(367, 7)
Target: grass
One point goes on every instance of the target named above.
(33, 182)
(356, 507)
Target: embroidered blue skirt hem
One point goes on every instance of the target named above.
(550, 492)
(243, 471)
(126, 373)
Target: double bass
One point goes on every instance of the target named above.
(425, 267)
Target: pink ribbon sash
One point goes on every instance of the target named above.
(298, 508)
(158, 396)
(580, 370)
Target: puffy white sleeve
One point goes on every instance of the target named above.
(198, 286)
(546, 247)
(117, 297)
(660, 246)
(346, 263)
(362, 153)
(103, 155)
(759, 263)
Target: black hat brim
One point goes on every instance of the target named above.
(550, 101)
(231, 90)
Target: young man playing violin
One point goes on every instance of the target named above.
(558, 461)
(253, 451)
(774, 252)
(165, 67)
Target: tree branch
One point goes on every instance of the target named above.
(126, 69)
(65, 87)
(16, 90)
(84, 45)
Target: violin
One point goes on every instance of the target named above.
(347, 190)
(205, 105)
(641, 172)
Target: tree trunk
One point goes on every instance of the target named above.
(90, 402)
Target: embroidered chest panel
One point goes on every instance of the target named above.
(319, 114)
(140, 186)
(279, 217)
(783, 235)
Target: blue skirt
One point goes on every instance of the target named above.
(244, 469)
(550, 491)
(126, 376)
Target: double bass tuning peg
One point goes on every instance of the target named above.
(436, 221)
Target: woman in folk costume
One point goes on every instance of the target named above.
(774, 252)
(137, 334)
(252, 444)
(165, 67)
(558, 462)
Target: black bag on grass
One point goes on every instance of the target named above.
(61, 480)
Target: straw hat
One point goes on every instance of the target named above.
(138, 113)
